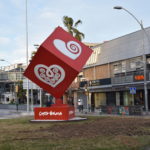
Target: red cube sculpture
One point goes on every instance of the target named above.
(57, 62)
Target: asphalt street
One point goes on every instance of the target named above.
(9, 114)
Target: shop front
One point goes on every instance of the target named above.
(118, 99)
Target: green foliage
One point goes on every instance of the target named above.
(32, 55)
(21, 92)
(72, 27)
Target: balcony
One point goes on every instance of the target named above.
(123, 79)
(129, 77)
(10, 76)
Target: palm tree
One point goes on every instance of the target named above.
(32, 55)
(72, 27)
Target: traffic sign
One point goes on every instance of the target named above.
(132, 90)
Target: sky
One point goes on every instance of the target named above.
(100, 22)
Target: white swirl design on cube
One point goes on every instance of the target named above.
(52, 75)
(71, 49)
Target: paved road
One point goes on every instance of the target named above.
(9, 114)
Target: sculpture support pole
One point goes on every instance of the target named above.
(58, 101)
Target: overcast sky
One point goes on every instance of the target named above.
(100, 22)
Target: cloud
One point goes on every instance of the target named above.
(48, 15)
(1, 5)
(2, 55)
(17, 3)
(4, 40)
(16, 53)
(19, 50)
(19, 56)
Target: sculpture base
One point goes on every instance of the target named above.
(55, 112)
(72, 119)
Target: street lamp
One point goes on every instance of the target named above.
(86, 90)
(144, 56)
(87, 96)
(27, 61)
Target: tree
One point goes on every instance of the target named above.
(72, 27)
(21, 92)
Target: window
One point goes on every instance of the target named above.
(117, 68)
(123, 66)
(136, 63)
(132, 65)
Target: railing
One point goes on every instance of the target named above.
(130, 77)
(124, 79)
(120, 78)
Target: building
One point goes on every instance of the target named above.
(114, 74)
(9, 79)
(72, 93)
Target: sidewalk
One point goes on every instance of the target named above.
(10, 114)
(97, 113)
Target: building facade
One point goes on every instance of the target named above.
(10, 77)
(114, 74)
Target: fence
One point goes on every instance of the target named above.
(122, 110)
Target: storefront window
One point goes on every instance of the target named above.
(128, 99)
(139, 100)
(100, 99)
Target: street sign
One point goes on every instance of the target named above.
(132, 90)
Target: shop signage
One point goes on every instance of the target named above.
(139, 77)
(94, 82)
(98, 82)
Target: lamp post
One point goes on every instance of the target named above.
(144, 56)
(86, 90)
(27, 61)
